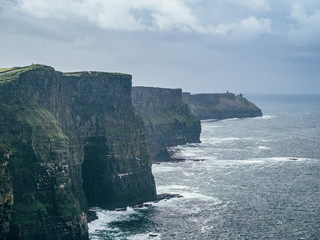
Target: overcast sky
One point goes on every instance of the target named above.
(244, 46)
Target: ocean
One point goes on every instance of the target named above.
(253, 178)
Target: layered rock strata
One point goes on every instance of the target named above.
(167, 119)
(220, 106)
(74, 142)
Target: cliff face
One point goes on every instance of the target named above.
(220, 106)
(167, 119)
(6, 193)
(75, 141)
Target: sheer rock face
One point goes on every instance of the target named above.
(167, 119)
(6, 192)
(75, 142)
(220, 106)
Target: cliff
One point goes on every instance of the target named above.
(6, 192)
(74, 142)
(220, 106)
(167, 119)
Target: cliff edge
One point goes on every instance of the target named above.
(220, 106)
(74, 142)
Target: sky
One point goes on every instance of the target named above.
(201, 46)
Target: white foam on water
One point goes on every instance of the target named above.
(220, 140)
(206, 127)
(229, 119)
(188, 174)
(195, 195)
(281, 159)
(250, 161)
(172, 188)
(163, 167)
(266, 117)
(293, 159)
(105, 217)
(264, 148)
(145, 236)
(209, 120)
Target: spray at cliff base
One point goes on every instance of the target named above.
(255, 178)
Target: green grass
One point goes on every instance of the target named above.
(4, 69)
(170, 116)
(10, 74)
(24, 213)
(41, 121)
(94, 73)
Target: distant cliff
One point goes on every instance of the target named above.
(220, 106)
(67, 141)
(166, 117)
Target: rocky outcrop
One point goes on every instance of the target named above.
(220, 106)
(75, 142)
(167, 119)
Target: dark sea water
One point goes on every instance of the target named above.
(257, 178)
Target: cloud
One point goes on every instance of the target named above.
(144, 15)
(306, 28)
(247, 28)
(121, 15)
(253, 4)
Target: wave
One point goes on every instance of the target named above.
(105, 217)
(264, 148)
(223, 140)
(266, 117)
(187, 192)
(195, 195)
(163, 167)
(289, 159)
(147, 236)
(209, 120)
(171, 188)
(279, 159)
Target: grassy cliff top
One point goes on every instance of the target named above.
(94, 73)
(10, 74)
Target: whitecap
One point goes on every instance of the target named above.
(188, 174)
(283, 159)
(250, 161)
(105, 217)
(195, 195)
(218, 140)
(264, 148)
(145, 236)
(158, 168)
(209, 120)
(266, 117)
(172, 189)
(297, 159)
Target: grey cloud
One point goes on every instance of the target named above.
(200, 46)
(306, 27)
